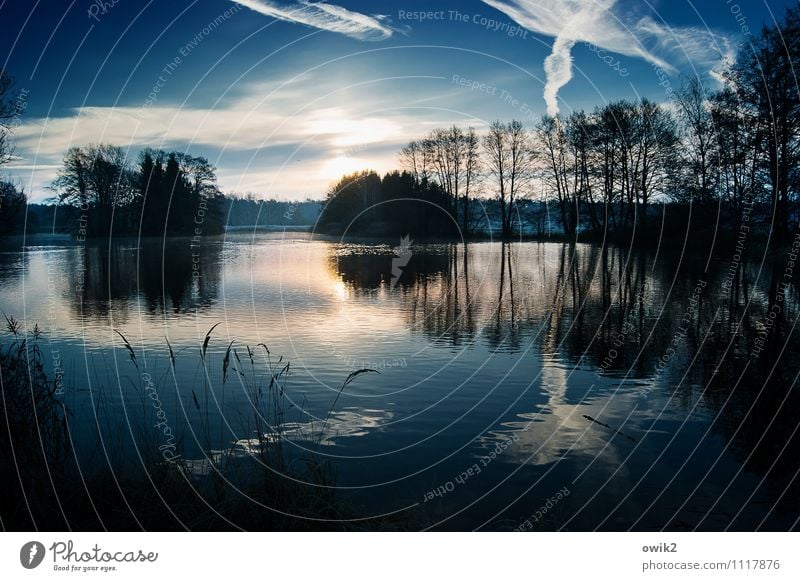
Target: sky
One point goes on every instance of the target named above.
(285, 96)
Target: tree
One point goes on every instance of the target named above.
(8, 113)
(764, 77)
(97, 178)
(152, 203)
(655, 155)
(699, 147)
(451, 158)
(169, 193)
(445, 149)
(624, 115)
(13, 201)
(472, 171)
(415, 158)
(423, 215)
(510, 161)
(555, 168)
(201, 175)
(353, 195)
(177, 194)
(578, 137)
(609, 148)
(13, 206)
(740, 143)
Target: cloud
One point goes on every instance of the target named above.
(598, 22)
(282, 145)
(324, 16)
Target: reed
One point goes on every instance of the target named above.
(235, 484)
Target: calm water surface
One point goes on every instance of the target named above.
(651, 386)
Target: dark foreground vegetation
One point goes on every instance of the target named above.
(248, 485)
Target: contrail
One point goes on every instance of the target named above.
(558, 67)
(625, 32)
(324, 16)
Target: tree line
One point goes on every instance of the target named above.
(719, 152)
(168, 193)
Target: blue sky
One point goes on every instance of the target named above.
(285, 95)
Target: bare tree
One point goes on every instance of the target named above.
(579, 128)
(415, 160)
(654, 159)
(451, 158)
(510, 161)
(764, 77)
(740, 135)
(624, 150)
(553, 157)
(495, 144)
(98, 177)
(522, 169)
(8, 113)
(700, 147)
(609, 154)
(445, 149)
(472, 171)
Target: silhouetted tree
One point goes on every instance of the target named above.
(472, 170)
(8, 112)
(740, 145)
(169, 193)
(97, 178)
(700, 149)
(764, 77)
(510, 162)
(352, 196)
(13, 204)
(655, 155)
(555, 168)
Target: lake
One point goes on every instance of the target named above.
(532, 385)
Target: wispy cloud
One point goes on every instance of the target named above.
(285, 145)
(324, 16)
(599, 23)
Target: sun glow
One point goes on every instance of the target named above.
(343, 130)
(335, 168)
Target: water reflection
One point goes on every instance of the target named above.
(106, 281)
(616, 331)
(649, 382)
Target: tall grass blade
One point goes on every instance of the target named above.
(131, 352)
(348, 381)
(207, 340)
(226, 361)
